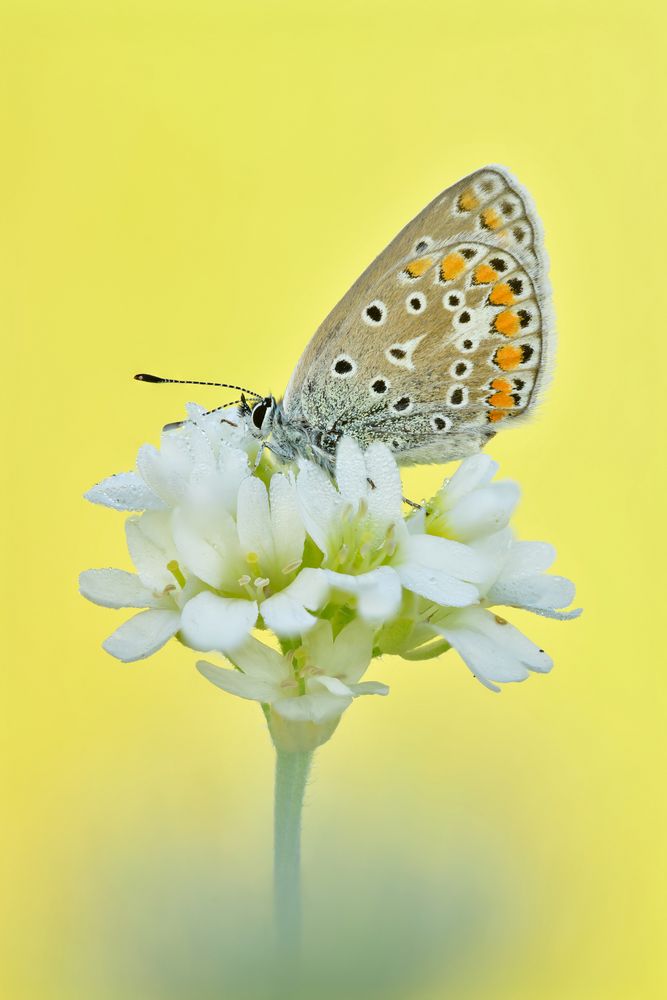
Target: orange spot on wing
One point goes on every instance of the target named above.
(501, 385)
(495, 415)
(508, 358)
(506, 323)
(416, 268)
(484, 275)
(501, 400)
(452, 265)
(501, 295)
(490, 219)
(467, 201)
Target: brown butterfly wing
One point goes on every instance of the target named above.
(443, 337)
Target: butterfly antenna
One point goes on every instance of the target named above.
(143, 377)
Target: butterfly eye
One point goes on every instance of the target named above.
(343, 366)
(375, 313)
(440, 423)
(415, 303)
(259, 412)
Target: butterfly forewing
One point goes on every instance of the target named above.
(443, 337)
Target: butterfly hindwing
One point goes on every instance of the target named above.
(443, 337)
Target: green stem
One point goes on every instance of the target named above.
(291, 776)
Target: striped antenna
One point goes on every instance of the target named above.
(143, 377)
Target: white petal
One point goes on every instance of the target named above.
(287, 527)
(385, 501)
(234, 466)
(150, 558)
(253, 520)
(526, 558)
(195, 553)
(287, 618)
(160, 474)
(319, 645)
(511, 639)
(142, 635)
(156, 526)
(351, 474)
(196, 413)
(312, 707)
(347, 659)
(473, 472)
(285, 612)
(126, 491)
(494, 651)
(483, 511)
(560, 616)
(222, 427)
(319, 503)
(368, 687)
(415, 523)
(200, 450)
(332, 684)
(210, 622)
(114, 588)
(437, 586)
(258, 660)
(378, 592)
(538, 591)
(444, 555)
(494, 550)
(310, 588)
(352, 651)
(237, 683)
(211, 488)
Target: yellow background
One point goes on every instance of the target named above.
(160, 162)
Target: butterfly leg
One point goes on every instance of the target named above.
(411, 503)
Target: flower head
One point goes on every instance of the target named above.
(226, 544)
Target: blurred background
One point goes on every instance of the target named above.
(161, 160)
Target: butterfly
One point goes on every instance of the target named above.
(447, 336)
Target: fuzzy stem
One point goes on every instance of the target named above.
(291, 776)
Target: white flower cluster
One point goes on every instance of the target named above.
(226, 544)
